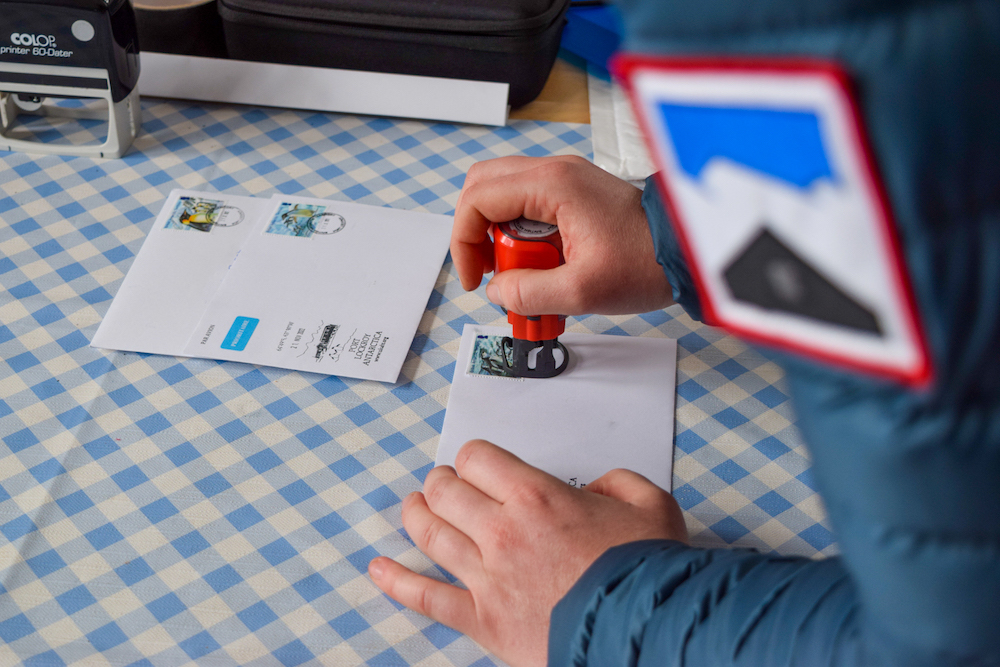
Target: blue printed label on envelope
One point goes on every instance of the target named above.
(788, 233)
(239, 334)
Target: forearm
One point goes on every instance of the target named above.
(668, 250)
(665, 603)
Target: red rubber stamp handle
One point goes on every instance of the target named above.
(527, 244)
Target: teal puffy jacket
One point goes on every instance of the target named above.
(911, 479)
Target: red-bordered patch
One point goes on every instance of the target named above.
(772, 189)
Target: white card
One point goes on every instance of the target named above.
(323, 89)
(613, 407)
(183, 261)
(327, 287)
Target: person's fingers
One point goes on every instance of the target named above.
(633, 488)
(471, 249)
(504, 166)
(472, 261)
(500, 190)
(446, 545)
(630, 487)
(497, 168)
(535, 193)
(442, 602)
(498, 473)
(503, 190)
(535, 292)
(471, 246)
(458, 502)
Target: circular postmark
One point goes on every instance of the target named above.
(228, 216)
(327, 223)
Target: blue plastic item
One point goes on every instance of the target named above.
(593, 33)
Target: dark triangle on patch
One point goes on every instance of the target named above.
(770, 275)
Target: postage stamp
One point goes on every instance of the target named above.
(203, 215)
(304, 220)
(489, 356)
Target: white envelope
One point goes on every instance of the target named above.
(183, 261)
(328, 287)
(613, 407)
(304, 284)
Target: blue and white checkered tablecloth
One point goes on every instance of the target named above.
(157, 511)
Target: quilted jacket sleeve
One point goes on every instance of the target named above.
(911, 479)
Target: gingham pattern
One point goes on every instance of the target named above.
(160, 511)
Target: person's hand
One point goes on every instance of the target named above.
(610, 268)
(518, 538)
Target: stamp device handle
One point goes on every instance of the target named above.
(526, 244)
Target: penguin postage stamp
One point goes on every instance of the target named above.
(490, 357)
(203, 215)
(305, 220)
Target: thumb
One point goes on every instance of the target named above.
(534, 291)
(630, 487)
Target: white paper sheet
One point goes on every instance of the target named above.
(176, 272)
(619, 146)
(613, 407)
(323, 89)
(321, 286)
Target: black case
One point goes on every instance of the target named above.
(184, 27)
(512, 41)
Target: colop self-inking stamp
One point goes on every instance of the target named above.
(534, 350)
(78, 49)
